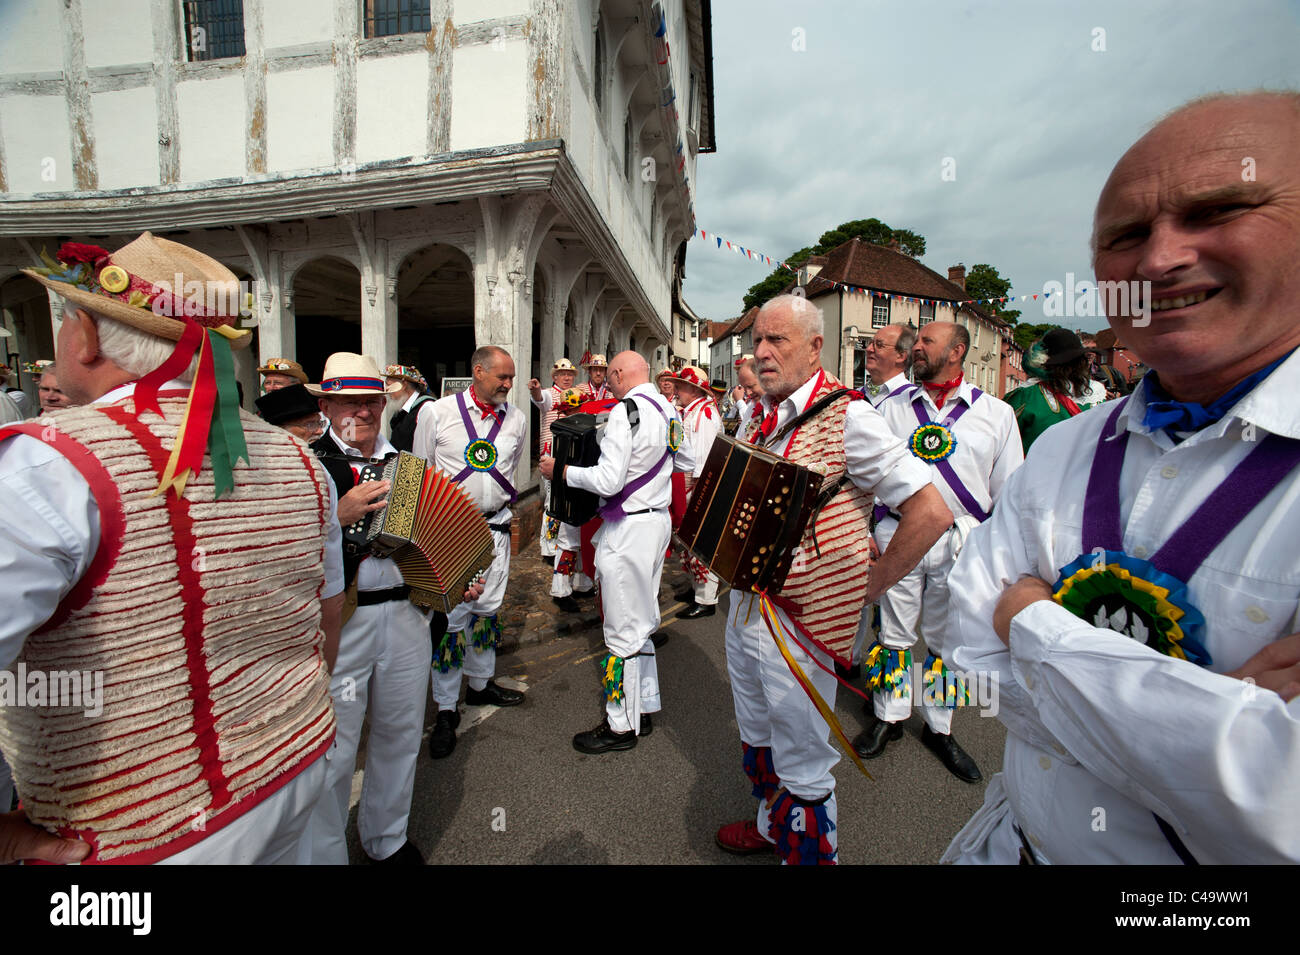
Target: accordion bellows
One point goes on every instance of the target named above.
(206, 631)
(432, 530)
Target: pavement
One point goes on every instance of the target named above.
(516, 792)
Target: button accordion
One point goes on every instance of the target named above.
(575, 440)
(431, 529)
(748, 513)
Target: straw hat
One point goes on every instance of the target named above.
(595, 361)
(149, 284)
(347, 373)
(666, 373)
(562, 364)
(408, 373)
(284, 366)
(694, 376)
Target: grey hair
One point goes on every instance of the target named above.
(906, 342)
(486, 356)
(132, 350)
(808, 315)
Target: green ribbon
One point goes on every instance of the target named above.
(226, 436)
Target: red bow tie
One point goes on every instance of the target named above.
(939, 390)
(488, 410)
(768, 424)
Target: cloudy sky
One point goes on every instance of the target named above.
(859, 122)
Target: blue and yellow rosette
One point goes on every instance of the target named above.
(481, 455)
(1111, 590)
(932, 443)
(675, 435)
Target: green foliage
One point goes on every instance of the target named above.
(869, 230)
(983, 281)
(1026, 335)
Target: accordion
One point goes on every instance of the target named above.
(748, 513)
(575, 440)
(431, 529)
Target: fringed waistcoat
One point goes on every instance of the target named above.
(204, 618)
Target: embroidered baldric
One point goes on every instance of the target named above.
(933, 442)
(612, 509)
(481, 453)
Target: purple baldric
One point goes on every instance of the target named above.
(967, 499)
(612, 511)
(472, 431)
(1258, 473)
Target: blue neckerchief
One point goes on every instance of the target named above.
(1163, 411)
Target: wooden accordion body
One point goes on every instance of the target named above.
(748, 513)
(575, 440)
(431, 529)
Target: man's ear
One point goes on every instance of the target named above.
(89, 333)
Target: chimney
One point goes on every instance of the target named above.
(957, 275)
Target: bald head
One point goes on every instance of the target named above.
(626, 371)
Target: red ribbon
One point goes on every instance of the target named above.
(146, 391)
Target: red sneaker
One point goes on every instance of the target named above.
(743, 839)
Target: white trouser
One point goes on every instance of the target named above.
(917, 603)
(706, 590)
(274, 832)
(549, 547)
(563, 585)
(479, 665)
(773, 710)
(865, 629)
(384, 653)
(629, 563)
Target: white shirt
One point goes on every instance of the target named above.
(441, 439)
(549, 397)
(625, 456)
(1098, 720)
(702, 423)
(53, 532)
(988, 441)
(375, 573)
(875, 459)
(892, 385)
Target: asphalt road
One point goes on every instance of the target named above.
(515, 790)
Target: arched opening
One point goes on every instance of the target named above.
(435, 313)
(327, 310)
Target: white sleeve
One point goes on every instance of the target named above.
(1010, 455)
(424, 443)
(607, 477)
(333, 539)
(47, 540)
(877, 460)
(545, 404)
(710, 425)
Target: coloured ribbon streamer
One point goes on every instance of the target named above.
(773, 622)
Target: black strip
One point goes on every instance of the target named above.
(1175, 843)
(369, 598)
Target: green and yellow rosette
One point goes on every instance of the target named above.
(481, 455)
(1111, 590)
(932, 443)
(675, 435)
(612, 677)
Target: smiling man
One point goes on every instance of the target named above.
(1136, 591)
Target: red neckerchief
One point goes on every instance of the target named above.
(769, 420)
(1064, 399)
(768, 424)
(488, 410)
(939, 392)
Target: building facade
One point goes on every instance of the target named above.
(406, 179)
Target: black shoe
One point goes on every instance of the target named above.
(585, 593)
(647, 725)
(548, 559)
(951, 755)
(602, 739)
(567, 604)
(848, 673)
(658, 638)
(409, 854)
(873, 740)
(443, 738)
(493, 695)
(697, 611)
(686, 596)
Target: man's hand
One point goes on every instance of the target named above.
(19, 839)
(1276, 667)
(547, 467)
(1017, 597)
(925, 518)
(361, 500)
(475, 590)
(873, 550)
(535, 389)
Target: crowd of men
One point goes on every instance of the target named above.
(1131, 584)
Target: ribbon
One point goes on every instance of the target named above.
(192, 438)
(226, 438)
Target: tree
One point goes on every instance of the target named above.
(869, 230)
(983, 281)
(1026, 335)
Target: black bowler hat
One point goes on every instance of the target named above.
(287, 404)
(1062, 346)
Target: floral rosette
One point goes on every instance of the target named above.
(481, 455)
(1117, 592)
(932, 443)
(675, 435)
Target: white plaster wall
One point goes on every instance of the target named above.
(211, 117)
(117, 32)
(290, 22)
(392, 115)
(472, 11)
(35, 130)
(19, 22)
(124, 157)
(489, 96)
(300, 119)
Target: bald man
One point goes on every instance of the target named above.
(641, 447)
(1143, 731)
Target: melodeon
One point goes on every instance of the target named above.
(431, 529)
(575, 440)
(747, 514)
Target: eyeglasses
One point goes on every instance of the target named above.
(356, 404)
